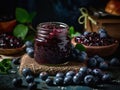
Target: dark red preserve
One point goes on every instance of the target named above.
(52, 44)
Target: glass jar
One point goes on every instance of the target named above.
(52, 43)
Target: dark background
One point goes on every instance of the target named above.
(66, 11)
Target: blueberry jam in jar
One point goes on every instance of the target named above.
(52, 43)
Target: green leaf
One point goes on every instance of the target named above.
(29, 38)
(71, 30)
(22, 15)
(80, 47)
(20, 31)
(75, 34)
(31, 16)
(5, 65)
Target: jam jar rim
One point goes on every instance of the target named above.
(54, 22)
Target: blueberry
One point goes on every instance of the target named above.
(104, 65)
(29, 48)
(103, 35)
(102, 31)
(60, 74)
(76, 51)
(58, 81)
(99, 59)
(106, 77)
(29, 44)
(43, 75)
(92, 62)
(89, 80)
(70, 73)
(17, 82)
(114, 62)
(97, 72)
(82, 56)
(86, 33)
(83, 53)
(32, 86)
(68, 80)
(73, 56)
(49, 81)
(29, 79)
(16, 61)
(89, 71)
(26, 71)
(77, 78)
(30, 52)
(83, 70)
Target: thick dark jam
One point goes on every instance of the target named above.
(52, 44)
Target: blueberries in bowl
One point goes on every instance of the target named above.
(8, 41)
(95, 39)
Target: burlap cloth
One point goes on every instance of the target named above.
(28, 62)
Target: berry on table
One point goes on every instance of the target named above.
(92, 62)
(89, 80)
(29, 79)
(32, 86)
(70, 73)
(114, 62)
(49, 81)
(43, 75)
(104, 65)
(68, 80)
(58, 81)
(60, 74)
(26, 71)
(17, 82)
(77, 78)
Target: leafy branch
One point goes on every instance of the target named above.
(24, 26)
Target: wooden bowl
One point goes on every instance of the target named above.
(12, 51)
(7, 26)
(102, 51)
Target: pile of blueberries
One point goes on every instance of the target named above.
(10, 41)
(92, 75)
(100, 38)
(85, 76)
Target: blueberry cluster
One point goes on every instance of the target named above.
(85, 76)
(29, 78)
(99, 62)
(9, 41)
(29, 48)
(91, 75)
(95, 39)
(78, 55)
